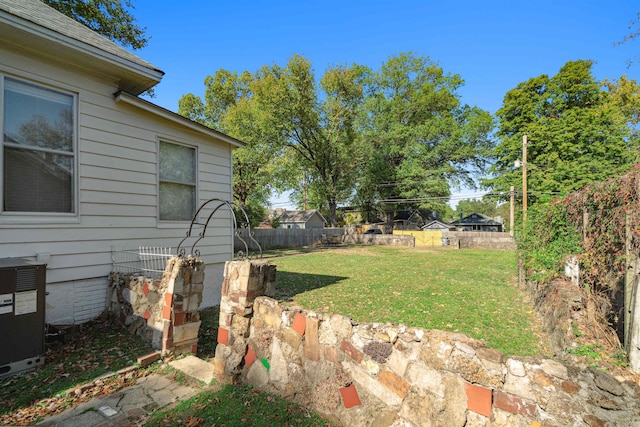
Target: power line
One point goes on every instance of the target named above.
(451, 198)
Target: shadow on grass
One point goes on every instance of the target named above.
(289, 284)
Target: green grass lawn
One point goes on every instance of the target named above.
(235, 406)
(469, 291)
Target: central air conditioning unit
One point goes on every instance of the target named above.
(22, 329)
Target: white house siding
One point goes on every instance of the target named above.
(118, 186)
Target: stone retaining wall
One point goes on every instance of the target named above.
(163, 312)
(480, 240)
(559, 304)
(394, 375)
(379, 239)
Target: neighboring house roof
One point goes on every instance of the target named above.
(476, 219)
(436, 224)
(300, 216)
(31, 23)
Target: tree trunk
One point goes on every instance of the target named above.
(333, 213)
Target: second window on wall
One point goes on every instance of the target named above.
(178, 182)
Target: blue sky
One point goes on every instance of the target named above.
(492, 45)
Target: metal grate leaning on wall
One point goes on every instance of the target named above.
(148, 261)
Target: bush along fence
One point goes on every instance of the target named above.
(384, 374)
(601, 226)
(163, 312)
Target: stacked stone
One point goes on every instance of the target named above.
(165, 312)
(181, 320)
(243, 282)
(379, 239)
(384, 374)
(137, 302)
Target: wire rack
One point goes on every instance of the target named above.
(149, 261)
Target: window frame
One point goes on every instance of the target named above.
(42, 216)
(196, 184)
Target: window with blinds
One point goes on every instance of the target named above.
(38, 149)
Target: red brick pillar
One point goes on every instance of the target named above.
(243, 282)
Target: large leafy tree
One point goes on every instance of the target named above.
(293, 134)
(397, 134)
(418, 139)
(110, 18)
(321, 132)
(577, 134)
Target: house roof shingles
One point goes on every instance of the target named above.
(299, 216)
(475, 219)
(39, 13)
(55, 33)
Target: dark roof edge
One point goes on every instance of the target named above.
(150, 107)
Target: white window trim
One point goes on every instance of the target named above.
(11, 218)
(164, 223)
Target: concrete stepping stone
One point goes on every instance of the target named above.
(195, 368)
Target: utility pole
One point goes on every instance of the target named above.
(524, 180)
(511, 210)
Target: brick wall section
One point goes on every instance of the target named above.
(384, 374)
(163, 312)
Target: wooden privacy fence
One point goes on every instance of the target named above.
(275, 238)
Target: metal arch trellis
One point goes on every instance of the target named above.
(181, 251)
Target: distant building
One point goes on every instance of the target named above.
(437, 225)
(408, 220)
(311, 218)
(478, 222)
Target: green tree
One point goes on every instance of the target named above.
(295, 130)
(576, 133)
(255, 210)
(110, 18)
(235, 104)
(485, 206)
(321, 130)
(625, 99)
(418, 139)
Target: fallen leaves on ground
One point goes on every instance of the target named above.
(54, 405)
(77, 368)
